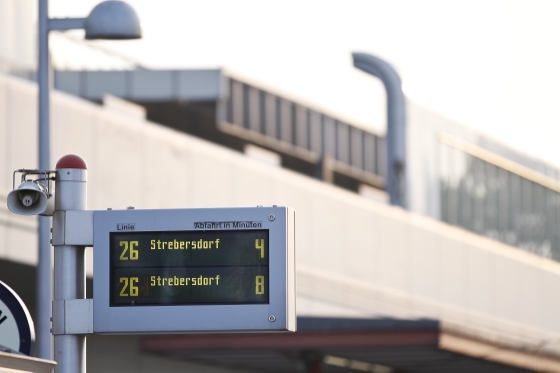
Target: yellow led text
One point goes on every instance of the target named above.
(185, 245)
(184, 281)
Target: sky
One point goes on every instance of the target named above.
(494, 65)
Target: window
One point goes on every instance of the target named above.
(489, 200)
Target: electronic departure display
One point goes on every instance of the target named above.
(194, 270)
(189, 267)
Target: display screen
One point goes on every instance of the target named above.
(189, 267)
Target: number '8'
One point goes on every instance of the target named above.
(259, 285)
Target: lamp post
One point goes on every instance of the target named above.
(108, 20)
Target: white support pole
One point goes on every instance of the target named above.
(69, 262)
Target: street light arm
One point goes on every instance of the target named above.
(65, 24)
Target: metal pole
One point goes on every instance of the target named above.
(44, 288)
(395, 178)
(69, 262)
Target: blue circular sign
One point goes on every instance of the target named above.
(16, 326)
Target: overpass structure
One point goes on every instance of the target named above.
(467, 301)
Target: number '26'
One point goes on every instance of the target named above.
(129, 288)
(132, 253)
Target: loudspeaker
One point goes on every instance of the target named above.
(30, 198)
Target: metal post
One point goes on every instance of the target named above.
(395, 178)
(69, 262)
(44, 289)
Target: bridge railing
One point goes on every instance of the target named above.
(289, 127)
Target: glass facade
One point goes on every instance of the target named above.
(492, 201)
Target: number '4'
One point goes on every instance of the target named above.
(259, 245)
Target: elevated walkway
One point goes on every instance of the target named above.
(216, 106)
